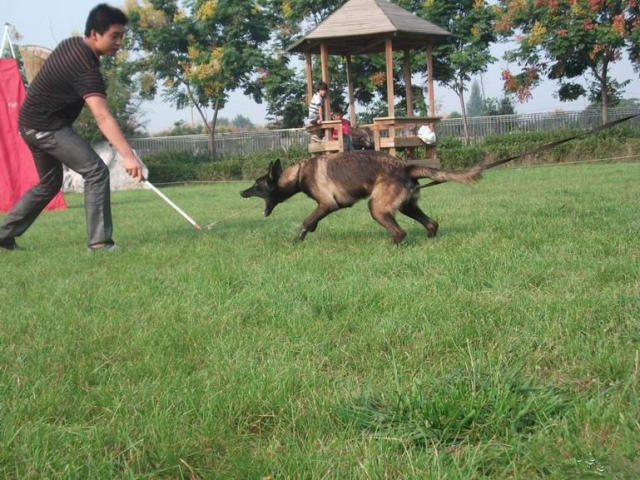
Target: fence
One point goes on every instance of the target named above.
(479, 127)
(225, 143)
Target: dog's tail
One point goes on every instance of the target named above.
(468, 175)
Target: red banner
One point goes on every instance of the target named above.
(17, 170)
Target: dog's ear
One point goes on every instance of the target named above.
(277, 166)
(275, 170)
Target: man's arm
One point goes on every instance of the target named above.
(110, 129)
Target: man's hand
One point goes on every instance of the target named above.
(133, 167)
(109, 127)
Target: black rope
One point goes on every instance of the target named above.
(545, 147)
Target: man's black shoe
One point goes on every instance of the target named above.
(9, 244)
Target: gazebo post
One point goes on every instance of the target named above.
(407, 83)
(388, 51)
(352, 103)
(324, 63)
(432, 102)
(307, 56)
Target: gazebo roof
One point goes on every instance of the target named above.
(360, 26)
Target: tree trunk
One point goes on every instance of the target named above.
(465, 123)
(604, 101)
(193, 102)
(212, 131)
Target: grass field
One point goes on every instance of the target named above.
(507, 347)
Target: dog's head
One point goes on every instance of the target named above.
(361, 138)
(266, 187)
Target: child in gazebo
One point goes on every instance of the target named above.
(316, 110)
(346, 128)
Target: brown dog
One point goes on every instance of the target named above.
(339, 180)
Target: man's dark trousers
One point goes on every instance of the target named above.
(50, 150)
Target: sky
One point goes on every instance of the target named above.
(47, 22)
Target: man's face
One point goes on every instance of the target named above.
(109, 42)
(322, 93)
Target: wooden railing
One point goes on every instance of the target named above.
(327, 143)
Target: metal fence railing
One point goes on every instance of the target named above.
(225, 143)
(479, 127)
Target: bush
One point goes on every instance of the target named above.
(185, 166)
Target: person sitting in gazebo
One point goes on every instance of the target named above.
(346, 129)
(315, 110)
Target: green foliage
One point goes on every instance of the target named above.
(201, 50)
(617, 142)
(185, 166)
(242, 123)
(503, 106)
(458, 60)
(471, 23)
(284, 92)
(566, 40)
(166, 167)
(467, 53)
(125, 93)
(180, 127)
(475, 105)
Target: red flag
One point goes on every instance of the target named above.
(17, 170)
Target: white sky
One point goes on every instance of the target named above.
(47, 22)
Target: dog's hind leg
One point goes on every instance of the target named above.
(310, 223)
(383, 214)
(412, 210)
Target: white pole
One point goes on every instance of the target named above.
(6, 39)
(175, 207)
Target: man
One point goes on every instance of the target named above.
(315, 115)
(68, 79)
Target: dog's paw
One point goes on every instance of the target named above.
(300, 236)
(432, 229)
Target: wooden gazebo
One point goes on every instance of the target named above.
(374, 26)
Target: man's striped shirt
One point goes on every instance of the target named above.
(56, 96)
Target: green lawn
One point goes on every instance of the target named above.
(507, 347)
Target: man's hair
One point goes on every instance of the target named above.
(323, 86)
(102, 17)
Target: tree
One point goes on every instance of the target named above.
(471, 23)
(476, 105)
(503, 106)
(180, 127)
(242, 122)
(285, 87)
(201, 50)
(284, 92)
(564, 40)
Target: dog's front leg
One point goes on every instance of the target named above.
(310, 223)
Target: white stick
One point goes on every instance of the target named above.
(175, 207)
